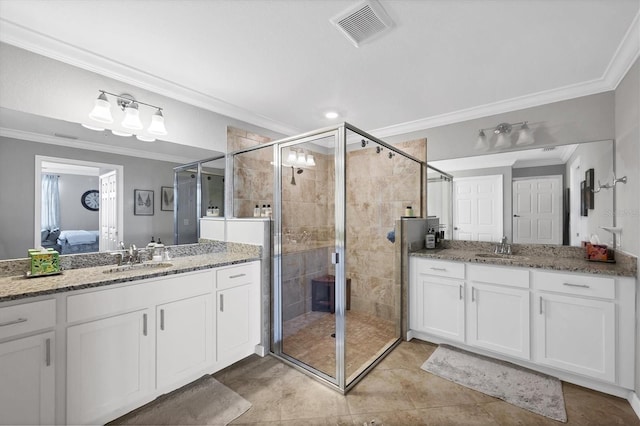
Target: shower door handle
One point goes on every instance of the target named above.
(335, 258)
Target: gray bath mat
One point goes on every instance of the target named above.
(203, 402)
(516, 385)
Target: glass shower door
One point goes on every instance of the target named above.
(308, 241)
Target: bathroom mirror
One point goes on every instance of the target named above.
(26, 136)
(531, 196)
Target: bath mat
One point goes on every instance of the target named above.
(203, 402)
(533, 391)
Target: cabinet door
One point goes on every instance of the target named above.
(237, 322)
(437, 307)
(576, 334)
(27, 380)
(498, 319)
(108, 366)
(184, 339)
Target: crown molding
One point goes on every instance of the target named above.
(92, 146)
(624, 57)
(36, 42)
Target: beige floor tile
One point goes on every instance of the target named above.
(506, 414)
(587, 407)
(305, 398)
(378, 392)
(408, 355)
(467, 415)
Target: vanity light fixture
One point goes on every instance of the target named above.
(101, 113)
(298, 158)
(503, 132)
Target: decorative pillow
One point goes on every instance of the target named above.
(44, 234)
(53, 235)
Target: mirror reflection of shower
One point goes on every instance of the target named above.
(293, 177)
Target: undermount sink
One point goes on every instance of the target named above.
(137, 267)
(500, 256)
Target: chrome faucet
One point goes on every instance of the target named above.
(503, 247)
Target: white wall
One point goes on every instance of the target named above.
(627, 205)
(73, 215)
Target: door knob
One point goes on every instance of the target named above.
(516, 215)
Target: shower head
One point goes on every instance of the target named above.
(299, 171)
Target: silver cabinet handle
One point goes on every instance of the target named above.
(144, 324)
(221, 302)
(460, 292)
(161, 319)
(438, 269)
(237, 276)
(576, 285)
(540, 305)
(47, 344)
(473, 294)
(12, 322)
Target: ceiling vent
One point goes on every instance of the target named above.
(548, 148)
(363, 22)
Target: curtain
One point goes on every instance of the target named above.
(50, 217)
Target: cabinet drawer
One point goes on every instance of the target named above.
(516, 277)
(28, 317)
(237, 275)
(85, 306)
(583, 285)
(440, 268)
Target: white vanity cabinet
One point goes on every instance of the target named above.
(437, 298)
(498, 309)
(579, 327)
(575, 322)
(27, 373)
(131, 343)
(108, 365)
(237, 312)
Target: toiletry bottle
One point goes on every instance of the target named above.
(263, 212)
(408, 211)
(256, 211)
(430, 239)
(269, 211)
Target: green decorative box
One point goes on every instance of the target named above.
(44, 263)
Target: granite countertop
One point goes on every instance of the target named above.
(19, 287)
(555, 259)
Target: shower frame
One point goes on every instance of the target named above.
(339, 132)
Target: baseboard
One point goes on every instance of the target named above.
(410, 335)
(260, 350)
(635, 402)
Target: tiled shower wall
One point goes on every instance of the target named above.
(378, 190)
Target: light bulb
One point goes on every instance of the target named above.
(504, 140)
(144, 138)
(90, 127)
(121, 133)
(132, 117)
(292, 157)
(481, 143)
(310, 160)
(525, 136)
(302, 159)
(101, 111)
(157, 124)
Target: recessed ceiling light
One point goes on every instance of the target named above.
(331, 115)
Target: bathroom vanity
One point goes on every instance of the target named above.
(562, 316)
(92, 344)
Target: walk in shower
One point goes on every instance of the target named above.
(336, 196)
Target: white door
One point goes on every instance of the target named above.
(498, 319)
(27, 381)
(184, 339)
(477, 208)
(109, 211)
(537, 210)
(437, 307)
(108, 367)
(576, 334)
(237, 322)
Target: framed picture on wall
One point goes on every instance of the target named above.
(588, 177)
(584, 210)
(166, 198)
(143, 202)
